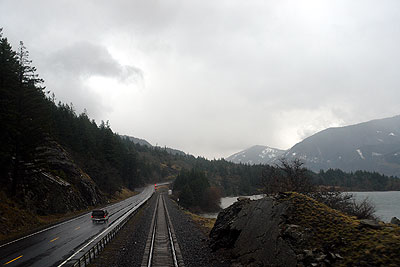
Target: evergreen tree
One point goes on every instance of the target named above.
(8, 82)
(186, 198)
(24, 114)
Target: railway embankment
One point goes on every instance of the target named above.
(129, 246)
(294, 230)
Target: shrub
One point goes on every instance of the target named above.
(287, 177)
(293, 177)
(346, 203)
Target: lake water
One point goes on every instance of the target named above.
(226, 202)
(387, 203)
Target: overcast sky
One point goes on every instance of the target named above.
(214, 77)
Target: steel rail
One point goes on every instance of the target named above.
(170, 235)
(153, 235)
(106, 236)
(156, 228)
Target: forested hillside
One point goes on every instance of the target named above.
(42, 140)
(32, 123)
(357, 181)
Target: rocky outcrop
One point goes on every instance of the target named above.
(395, 221)
(370, 223)
(252, 230)
(294, 230)
(60, 186)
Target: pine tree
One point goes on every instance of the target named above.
(8, 83)
(24, 114)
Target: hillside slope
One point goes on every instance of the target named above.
(59, 189)
(371, 146)
(136, 140)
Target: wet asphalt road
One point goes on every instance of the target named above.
(51, 246)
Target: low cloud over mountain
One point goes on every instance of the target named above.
(371, 146)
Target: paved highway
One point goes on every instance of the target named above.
(51, 246)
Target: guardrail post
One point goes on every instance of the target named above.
(101, 244)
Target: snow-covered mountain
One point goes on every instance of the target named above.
(256, 155)
(371, 146)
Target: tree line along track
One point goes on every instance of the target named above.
(162, 248)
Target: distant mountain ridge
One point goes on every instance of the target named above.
(137, 140)
(256, 155)
(370, 146)
(143, 142)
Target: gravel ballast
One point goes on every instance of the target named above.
(192, 240)
(128, 246)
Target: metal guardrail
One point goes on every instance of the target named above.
(95, 250)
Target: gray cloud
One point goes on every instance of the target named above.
(220, 76)
(85, 59)
(68, 70)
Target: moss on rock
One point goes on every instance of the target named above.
(331, 230)
(292, 229)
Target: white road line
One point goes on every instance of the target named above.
(44, 230)
(107, 229)
(56, 225)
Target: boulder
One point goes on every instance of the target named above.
(252, 231)
(370, 223)
(292, 229)
(395, 221)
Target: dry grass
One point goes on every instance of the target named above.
(332, 230)
(123, 194)
(205, 223)
(14, 220)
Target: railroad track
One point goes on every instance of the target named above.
(162, 248)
